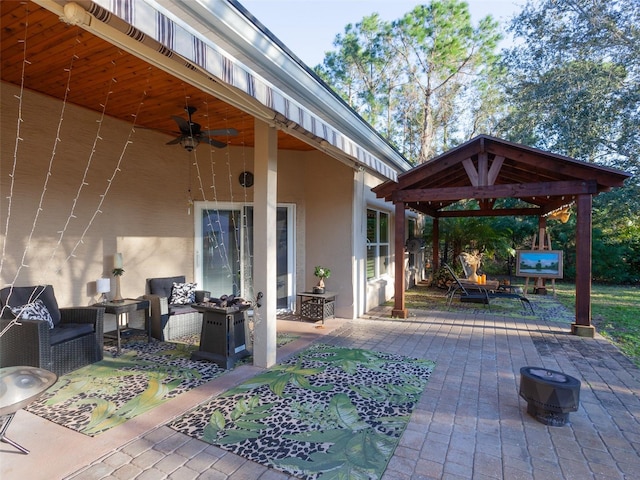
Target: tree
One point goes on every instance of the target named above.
(574, 79)
(426, 81)
(573, 87)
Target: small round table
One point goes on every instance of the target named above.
(19, 386)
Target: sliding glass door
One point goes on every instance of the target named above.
(225, 250)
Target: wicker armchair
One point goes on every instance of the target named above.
(75, 340)
(170, 321)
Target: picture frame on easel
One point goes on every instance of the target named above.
(539, 263)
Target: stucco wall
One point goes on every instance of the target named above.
(328, 226)
(69, 241)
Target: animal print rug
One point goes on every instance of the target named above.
(105, 394)
(329, 412)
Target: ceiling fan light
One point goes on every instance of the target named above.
(189, 143)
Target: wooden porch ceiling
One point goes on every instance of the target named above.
(58, 59)
(488, 168)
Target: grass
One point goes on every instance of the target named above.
(615, 312)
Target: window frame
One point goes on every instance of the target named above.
(381, 260)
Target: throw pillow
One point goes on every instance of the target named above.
(183, 293)
(33, 311)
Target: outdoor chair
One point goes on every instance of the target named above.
(170, 299)
(476, 293)
(56, 339)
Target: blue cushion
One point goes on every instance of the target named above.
(162, 286)
(69, 331)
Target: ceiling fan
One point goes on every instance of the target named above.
(191, 135)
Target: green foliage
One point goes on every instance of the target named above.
(357, 450)
(426, 81)
(574, 80)
(570, 84)
(244, 422)
(280, 376)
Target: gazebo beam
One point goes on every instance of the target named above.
(500, 212)
(516, 190)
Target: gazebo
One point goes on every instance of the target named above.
(488, 168)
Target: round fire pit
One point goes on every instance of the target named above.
(550, 395)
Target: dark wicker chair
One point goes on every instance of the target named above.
(169, 321)
(75, 341)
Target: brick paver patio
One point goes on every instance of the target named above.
(470, 422)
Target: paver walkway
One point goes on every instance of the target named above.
(469, 424)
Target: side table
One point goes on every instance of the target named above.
(317, 306)
(19, 386)
(128, 305)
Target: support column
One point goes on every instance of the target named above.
(399, 309)
(265, 202)
(582, 327)
(435, 244)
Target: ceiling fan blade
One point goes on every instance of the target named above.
(213, 142)
(230, 132)
(174, 141)
(183, 124)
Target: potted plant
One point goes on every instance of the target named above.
(321, 273)
(117, 272)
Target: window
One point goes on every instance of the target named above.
(377, 244)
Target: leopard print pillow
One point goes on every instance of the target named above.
(35, 310)
(183, 294)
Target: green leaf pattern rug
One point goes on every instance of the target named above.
(329, 412)
(106, 394)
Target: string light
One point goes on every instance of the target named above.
(212, 218)
(15, 148)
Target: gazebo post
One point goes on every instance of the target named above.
(435, 243)
(399, 309)
(582, 327)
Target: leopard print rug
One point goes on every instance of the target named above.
(100, 396)
(329, 411)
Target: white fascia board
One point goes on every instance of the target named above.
(225, 25)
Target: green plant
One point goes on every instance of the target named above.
(322, 272)
(117, 272)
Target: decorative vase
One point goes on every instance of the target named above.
(319, 289)
(117, 298)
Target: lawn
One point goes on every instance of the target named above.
(615, 312)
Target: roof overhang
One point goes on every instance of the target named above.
(220, 48)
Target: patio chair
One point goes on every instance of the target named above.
(173, 317)
(469, 292)
(56, 339)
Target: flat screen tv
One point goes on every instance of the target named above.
(539, 263)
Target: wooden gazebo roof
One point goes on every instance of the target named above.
(487, 168)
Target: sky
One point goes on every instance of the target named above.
(308, 27)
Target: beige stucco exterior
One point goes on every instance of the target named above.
(130, 194)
